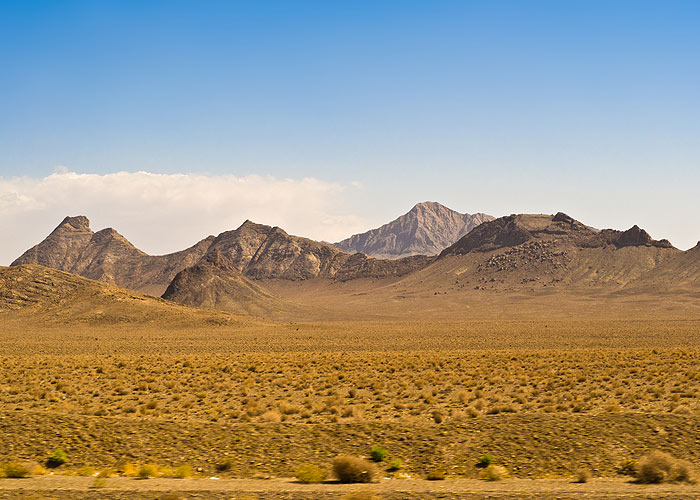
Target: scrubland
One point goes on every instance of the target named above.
(544, 398)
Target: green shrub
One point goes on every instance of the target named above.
(377, 453)
(659, 467)
(58, 457)
(309, 473)
(395, 465)
(485, 461)
(353, 470)
(494, 473)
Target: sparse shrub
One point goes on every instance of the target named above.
(36, 469)
(183, 472)
(629, 468)
(148, 471)
(273, 416)
(583, 476)
(353, 470)
(494, 473)
(130, 470)
(86, 470)
(58, 457)
(438, 417)
(659, 467)
(377, 453)
(224, 466)
(436, 475)
(395, 465)
(309, 473)
(15, 470)
(166, 471)
(485, 460)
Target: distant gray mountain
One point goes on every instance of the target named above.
(427, 229)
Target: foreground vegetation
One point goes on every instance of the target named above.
(576, 399)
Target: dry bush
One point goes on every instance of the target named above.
(183, 472)
(350, 469)
(86, 470)
(494, 473)
(15, 470)
(583, 476)
(660, 467)
(531, 382)
(148, 471)
(129, 470)
(273, 416)
(309, 473)
(436, 475)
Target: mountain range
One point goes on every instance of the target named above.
(109, 257)
(261, 270)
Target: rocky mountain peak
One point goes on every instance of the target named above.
(426, 229)
(79, 222)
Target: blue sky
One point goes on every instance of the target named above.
(589, 107)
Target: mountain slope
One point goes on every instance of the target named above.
(37, 294)
(264, 252)
(215, 283)
(107, 256)
(682, 273)
(546, 250)
(426, 229)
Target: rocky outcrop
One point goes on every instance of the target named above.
(109, 257)
(426, 229)
(263, 252)
(216, 283)
(514, 230)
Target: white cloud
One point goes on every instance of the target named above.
(162, 213)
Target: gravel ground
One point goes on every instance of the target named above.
(119, 488)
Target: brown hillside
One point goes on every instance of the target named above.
(215, 283)
(524, 251)
(35, 294)
(682, 273)
(107, 256)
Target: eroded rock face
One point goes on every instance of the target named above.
(109, 257)
(425, 230)
(514, 230)
(264, 252)
(215, 283)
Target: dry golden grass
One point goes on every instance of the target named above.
(543, 395)
(359, 386)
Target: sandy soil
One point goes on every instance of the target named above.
(80, 488)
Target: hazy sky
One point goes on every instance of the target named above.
(172, 120)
